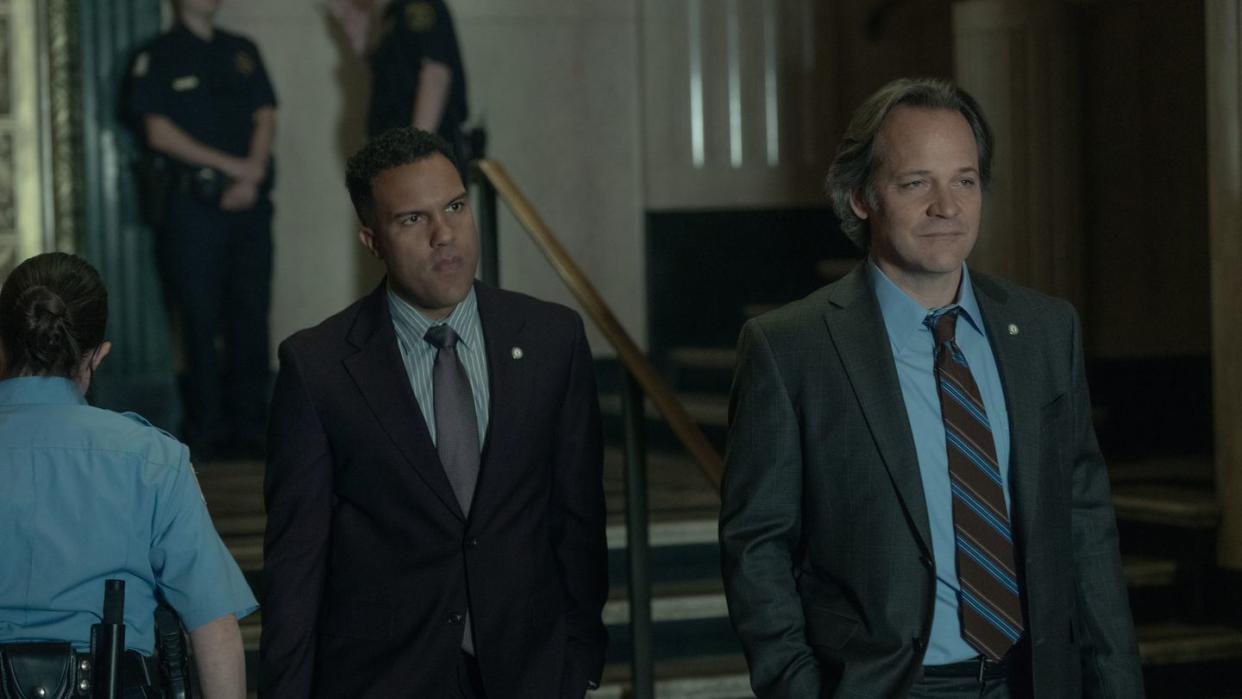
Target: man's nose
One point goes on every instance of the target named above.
(944, 202)
(441, 232)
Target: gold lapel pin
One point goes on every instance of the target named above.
(516, 352)
(1013, 329)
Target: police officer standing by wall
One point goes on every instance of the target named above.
(207, 111)
(416, 73)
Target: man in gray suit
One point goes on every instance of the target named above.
(914, 503)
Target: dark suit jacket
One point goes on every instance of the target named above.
(368, 559)
(827, 555)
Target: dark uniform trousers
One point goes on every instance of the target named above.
(217, 267)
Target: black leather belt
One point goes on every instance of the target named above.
(56, 670)
(979, 668)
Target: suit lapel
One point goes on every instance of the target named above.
(857, 330)
(510, 382)
(380, 375)
(1016, 355)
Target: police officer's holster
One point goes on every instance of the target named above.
(57, 671)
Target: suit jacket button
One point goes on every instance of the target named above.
(928, 563)
(919, 644)
(472, 543)
(455, 619)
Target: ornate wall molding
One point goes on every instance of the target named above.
(10, 57)
(40, 163)
(62, 123)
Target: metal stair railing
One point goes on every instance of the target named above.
(640, 380)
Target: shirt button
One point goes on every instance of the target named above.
(455, 619)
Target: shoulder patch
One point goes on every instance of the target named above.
(420, 16)
(142, 64)
(244, 62)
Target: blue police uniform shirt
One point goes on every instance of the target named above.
(90, 494)
(913, 353)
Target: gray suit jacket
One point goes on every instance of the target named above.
(827, 557)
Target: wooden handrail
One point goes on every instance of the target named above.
(631, 356)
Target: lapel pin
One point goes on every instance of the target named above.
(516, 352)
(1013, 329)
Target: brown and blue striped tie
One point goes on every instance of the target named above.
(990, 608)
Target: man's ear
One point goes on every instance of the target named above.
(859, 205)
(366, 236)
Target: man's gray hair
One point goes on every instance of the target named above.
(853, 170)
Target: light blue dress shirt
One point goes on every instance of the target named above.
(419, 355)
(88, 494)
(913, 353)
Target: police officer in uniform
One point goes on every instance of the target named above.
(207, 112)
(416, 73)
(91, 495)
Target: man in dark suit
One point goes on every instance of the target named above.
(914, 503)
(435, 509)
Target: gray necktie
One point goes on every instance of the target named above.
(457, 428)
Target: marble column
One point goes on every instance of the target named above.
(1019, 58)
(1224, 116)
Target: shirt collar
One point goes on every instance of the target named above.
(413, 325)
(903, 316)
(40, 390)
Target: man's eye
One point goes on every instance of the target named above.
(912, 184)
(410, 219)
(967, 182)
(456, 206)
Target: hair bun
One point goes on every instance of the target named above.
(53, 310)
(48, 327)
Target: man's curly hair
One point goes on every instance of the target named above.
(392, 148)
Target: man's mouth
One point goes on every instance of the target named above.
(447, 264)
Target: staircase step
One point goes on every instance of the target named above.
(682, 552)
(670, 533)
(1182, 506)
(707, 409)
(251, 628)
(1148, 571)
(717, 358)
(705, 677)
(240, 525)
(1179, 470)
(1174, 643)
(677, 490)
(247, 550)
(683, 602)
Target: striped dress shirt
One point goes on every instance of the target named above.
(419, 356)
